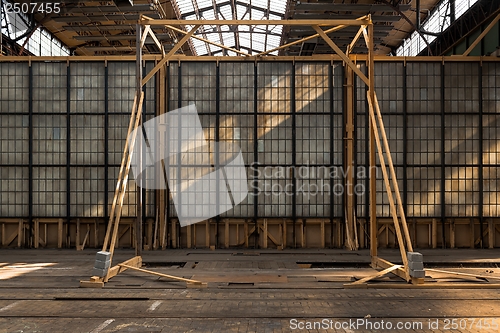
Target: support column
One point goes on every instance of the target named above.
(138, 76)
(351, 239)
(161, 93)
(372, 171)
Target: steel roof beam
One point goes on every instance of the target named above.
(333, 7)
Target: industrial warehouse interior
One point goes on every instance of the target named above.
(250, 166)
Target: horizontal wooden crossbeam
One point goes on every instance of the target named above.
(321, 23)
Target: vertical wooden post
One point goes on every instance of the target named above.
(96, 233)
(207, 233)
(491, 234)
(372, 171)
(194, 236)
(138, 77)
(338, 231)
(189, 236)
(45, 226)
(264, 240)
(36, 237)
(414, 232)
(226, 234)
(471, 233)
(351, 240)
(322, 226)
(237, 233)
(452, 233)
(77, 240)
(174, 234)
(284, 233)
(434, 233)
(362, 229)
(246, 233)
(303, 229)
(149, 234)
(162, 90)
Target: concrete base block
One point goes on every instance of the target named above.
(102, 256)
(415, 256)
(99, 272)
(102, 264)
(415, 265)
(419, 273)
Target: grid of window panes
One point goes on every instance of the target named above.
(50, 87)
(424, 134)
(236, 121)
(461, 139)
(491, 139)
(198, 85)
(14, 144)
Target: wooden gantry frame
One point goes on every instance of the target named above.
(378, 138)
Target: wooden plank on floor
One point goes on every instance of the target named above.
(378, 274)
(240, 278)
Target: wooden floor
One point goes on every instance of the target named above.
(248, 291)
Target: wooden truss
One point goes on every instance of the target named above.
(378, 137)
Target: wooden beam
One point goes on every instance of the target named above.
(189, 236)
(145, 35)
(378, 274)
(305, 39)
(125, 178)
(11, 238)
(464, 274)
(388, 186)
(378, 262)
(245, 236)
(454, 285)
(120, 177)
(169, 54)
(341, 54)
(371, 148)
(226, 234)
(393, 177)
(115, 270)
(160, 274)
(20, 232)
(452, 233)
(208, 41)
(321, 23)
(471, 233)
(92, 284)
(36, 226)
(157, 42)
(270, 236)
(351, 240)
(207, 233)
(491, 234)
(481, 36)
(360, 32)
(253, 58)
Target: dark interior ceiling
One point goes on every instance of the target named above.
(108, 27)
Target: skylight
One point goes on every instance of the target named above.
(438, 22)
(248, 39)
